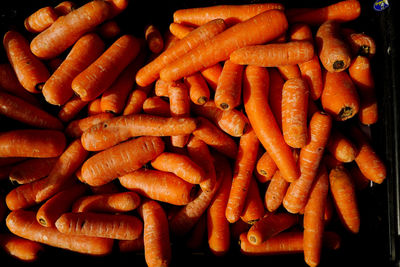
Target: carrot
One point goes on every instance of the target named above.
(54, 207)
(295, 94)
(361, 74)
(136, 245)
(232, 14)
(179, 30)
(196, 235)
(243, 168)
(360, 181)
(23, 223)
(341, 147)
(64, 32)
(153, 38)
(344, 197)
(232, 122)
(269, 226)
(135, 101)
(259, 29)
(117, 6)
(57, 89)
(32, 143)
(93, 107)
(211, 75)
(289, 71)
(275, 192)
(360, 43)
(41, 19)
(121, 128)
(103, 167)
(27, 195)
(109, 29)
(266, 166)
(229, 88)
(20, 248)
(314, 218)
(276, 83)
(76, 128)
(31, 170)
(157, 248)
(159, 185)
(115, 226)
(71, 108)
(253, 209)
(30, 71)
(339, 97)
(342, 11)
(216, 138)
(161, 88)
(199, 92)
(156, 105)
(255, 98)
(309, 160)
(150, 72)
(64, 8)
(99, 76)
(20, 110)
(273, 55)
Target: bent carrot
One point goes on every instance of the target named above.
(156, 105)
(253, 208)
(23, 223)
(275, 192)
(341, 147)
(41, 19)
(199, 92)
(31, 170)
(71, 108)
(20, 248)
(154, 39)
(76, 128)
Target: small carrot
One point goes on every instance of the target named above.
(68, 29)
(23, 223)
(54, 207)
(121, 128)
(93, 107)
(360, 43)
(211, 75)
(41, 19)
(20, 248)
(276, 83)
(31, 170)
(156, 105)
(275, 192)
(341, 147)
(64, 8)
(30, 71)
(135, 101)
(136, 245)
(71, 109)
(253, 209)
(32, 143)
(199, 92)
(179, 30)
(153, 38)
(109, 29)
(76, 128)
(159, 185)
(289, 71)
(339, 97)
(266, 166)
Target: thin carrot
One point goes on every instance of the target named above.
(341, 147)
(211, 75)
(275, 192)
(266, 166)
(71, 109)
(23, 223)
(179, 30)
(309, 160)
(76, 128)
(276, 83)
(32, 143)
(64, 8)
(199, 92)
(41, 19)
(156, 105)
(255, 98)
(31, 170)
(159, 185)
(360, 43)
(259, 29)
(68, 29)
(153, 38)
(30, 71)
(20, 248)
(253, 209)
(136, 245)
(109, 29)
(121, 128)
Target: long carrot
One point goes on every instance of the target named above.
(199, 92)
(275, 192)
(341, 147)
(68, 29)
(20, 248)
(57, 89)
(41, 19)
(71, 108)
(30, 71)
(253, 209)
(255, 98)
(159, 185)
(76, 127)
(259, 29)
(31, 170)
(23, 223)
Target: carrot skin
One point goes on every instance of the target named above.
(20, 248)
(76, 128)
(275, 192)
(253, 209)
(266, 166)
(41, 19)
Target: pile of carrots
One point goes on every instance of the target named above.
(239, 123)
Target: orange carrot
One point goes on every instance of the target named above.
(253, 209)
(159, 185)
(276, 83)
(360, 43)
(109, 29)
(117, 6)
(41, 19)
(32, 143)
(64, 8)
(68, 29)
(150, 72)
(136, 245)
(20, 248)
(211, 75)
(259, 29)
(341, 147)
(121, 128)
(289, 71)
(99, 76)
(275, 192)
(255, 98)
(23, 223)
(153, 38)
(57, 89)
(135, 101)
(266, 166)
(309, 160)
(161, 88)
(93, 107)
(30, 71)
(179, 30)
(71, 109)
(339, 97)
(199, 92)
(156, 105)
(232, 14)
(115, 226)
(31, 170)
(76, 128)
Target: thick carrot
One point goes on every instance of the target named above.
(135, 101)
(255, 98)
(99, 76)
(309, 160)
(57, 89)
(253, 209)
(20, 110)
(30, 71)
(68, 29)
(64, 8)
(121, 128)
(199, 92)
(32, 143)
(109, 29)
(20, 248)
(341, 147)
(41, 19)
(159, 185)
(276, 83)
(232, 14)
(179, 30)
(266, 166)
(121, 159)
(345, 199)
(115, 226)
(156, 105)
(153, 37)
(54, 207)
(76, 128)
(23, 223)
(27, 195)
(273, 55)
(157, 247)
(339, 97)
(275, 192)
(71, 108)
(150, 72)
(211, 75)
(360, 43)
(31, 170)
(259, 29)
(313, 221)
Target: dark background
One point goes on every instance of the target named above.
(377, 242)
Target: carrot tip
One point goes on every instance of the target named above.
(345, 113)
(39, 86)
(338, 65)
(263, 172)
(224, 106)
(252, 239)
(364, 50)
(202, 100)
(42, 222)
